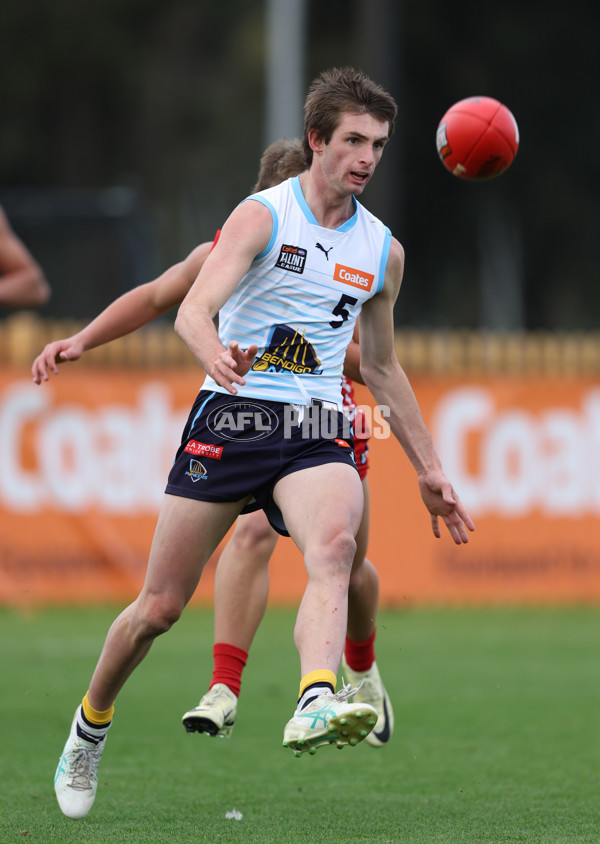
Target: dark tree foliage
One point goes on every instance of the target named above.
(167, 99)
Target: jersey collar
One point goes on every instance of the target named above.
(310, 217)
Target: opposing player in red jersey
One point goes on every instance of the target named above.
(241, 592)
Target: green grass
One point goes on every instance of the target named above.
(497, 735)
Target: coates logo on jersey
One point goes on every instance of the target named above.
(204, 449)
(355, 278)
(292, 258)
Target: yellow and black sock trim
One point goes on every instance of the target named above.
(317, 678)
(95, 716)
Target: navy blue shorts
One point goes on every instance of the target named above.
(237, 448)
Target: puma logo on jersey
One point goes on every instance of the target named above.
(325, 251)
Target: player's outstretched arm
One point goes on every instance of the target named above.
(389, 385)
(129, 312)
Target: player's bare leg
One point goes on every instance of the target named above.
(186, 534)
(363, 590)
(241, 594)
(242, 580)
(324, 530)
(358, 665)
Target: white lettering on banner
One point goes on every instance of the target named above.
(114, 457)
(548, 462)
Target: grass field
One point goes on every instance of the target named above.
(497, 735)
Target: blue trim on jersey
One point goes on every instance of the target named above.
(349, 224)
(271, 208)
(309, 214)
(385, 254)
(302, 202)
(200, 409)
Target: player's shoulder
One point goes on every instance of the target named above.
(263, 203)
(271, 194)
(373, 223)
(396, 255)
(262, 209)
(252, 208)
(249, 225)
(394, 269)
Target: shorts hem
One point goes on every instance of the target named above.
(205, 496)
(310, 463)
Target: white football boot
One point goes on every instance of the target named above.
(76, 778)
(372, 691)
(215, 714)
(329, 719)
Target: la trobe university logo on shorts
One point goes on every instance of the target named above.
(243, 421)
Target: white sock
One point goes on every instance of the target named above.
(311, 693)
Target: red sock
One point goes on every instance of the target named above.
(228, 663)
(360, 656)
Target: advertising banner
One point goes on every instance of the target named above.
(84, 460)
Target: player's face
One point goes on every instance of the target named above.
(354, 151)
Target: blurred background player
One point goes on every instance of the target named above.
(22, 282)
(242, 574)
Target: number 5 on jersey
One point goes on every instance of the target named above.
(341, 310)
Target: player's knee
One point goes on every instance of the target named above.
(338, 551)
(252, 535)
(363, 573)
(356, 579)
(160, 612)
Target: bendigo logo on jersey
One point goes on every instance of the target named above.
(355, 278)
(288, 351)
(292, 258)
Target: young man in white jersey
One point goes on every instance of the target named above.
(247, 425)
(242, 580)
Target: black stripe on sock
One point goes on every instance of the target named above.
(319, 688)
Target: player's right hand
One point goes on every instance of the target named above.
(59, 351)
(232, 364)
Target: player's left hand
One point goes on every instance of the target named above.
(232, 364)
(58, 351)
(442, 501)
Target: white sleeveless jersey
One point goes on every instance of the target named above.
(301, 297)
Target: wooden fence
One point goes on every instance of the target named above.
(465, 352)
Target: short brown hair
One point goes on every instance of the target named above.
(339, 90)
(281, 160)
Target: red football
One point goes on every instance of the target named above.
(477, 138)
